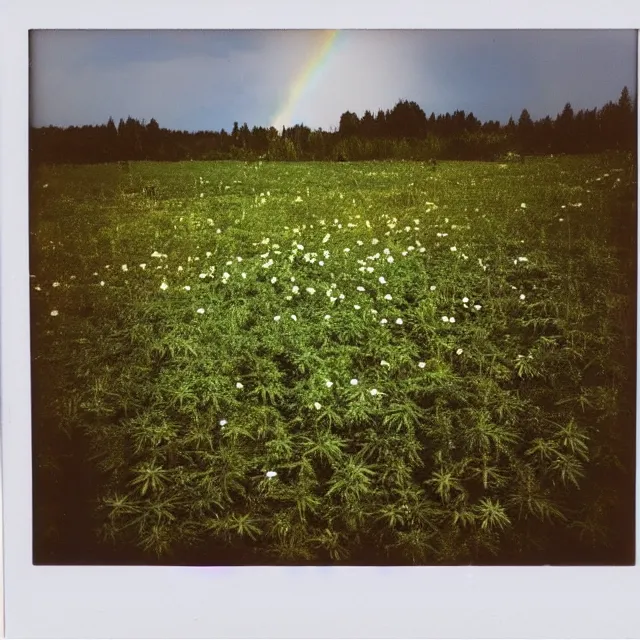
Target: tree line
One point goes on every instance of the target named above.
(403, 132)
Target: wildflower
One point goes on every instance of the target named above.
(399, 321)
(226, 275)
(523, 206)
(454, 249)
(390, 259)
(187, 288)
(477, 307)
(384, 363)
(243, 275)
(381, 279)
(422, 365)
(521, 259)
(300, 247)
(383, 321)
(370, 270)
(200, 310)
(54, 312)
(156, 254)
(452, 319)
(359, 288)
(271, 474)
(328, 384)
(356, 307)
(317, 405)
(375, 241)
(326, 238)
(432, 287)
(222, 423)
(55, 284)
(276, 318)
(274, 280)
(202, 195)
(239, 385)
(353, 382)
(310, 290)
(445, 318)
(298, 199)
(327, 317)
(143, 265)
(459, 352)
(102, 283)
(465, 299)
(522, 296)
(373, 392)
(202, 276)
(346, 249)
(294, 317)
(164, 286)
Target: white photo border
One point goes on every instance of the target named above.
(190, 602)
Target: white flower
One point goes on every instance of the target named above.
(294, 317)
(452, 319)
(54, 312)
(202, 195)
(445, 318)
(310, 290)
(243, 275)
(239, 385)
(390, 259)
(226, 275)
(317, 405)
(327, 317)
(523, 206)
(156, 254)
(432, 287)
(346, 249)
(276, 318)
(102, 283)
(422, 365)
(356, 306)
(124, 267)
(381, 279)
(295, 288)
(359, 288)
(274, 280)
(222, 423)
(454, 249)
(384, 363)
(522, 296)
(459, 352)
(373, 392)
(477, 307)
(55, 284)
(202, 276)
(522, 259)
(375, 241)
(465, 299)
(399, 321)
(328, 384)
(298, 199)
(326, 238)
(388, 296)
(353, 381)
(200, 310)
(271, 474)
(164, 286)
(300, 247)
(383, 321)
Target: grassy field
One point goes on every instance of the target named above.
(334, 363)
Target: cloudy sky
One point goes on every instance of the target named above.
(206, 80)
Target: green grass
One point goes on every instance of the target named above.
(290, 318)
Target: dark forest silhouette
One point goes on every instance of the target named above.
(404, 132)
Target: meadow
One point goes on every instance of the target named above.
(317, 363)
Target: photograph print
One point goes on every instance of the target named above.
(333, 297)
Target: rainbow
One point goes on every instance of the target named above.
(304, 78)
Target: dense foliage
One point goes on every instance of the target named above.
(338, 363)
(404, 132)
